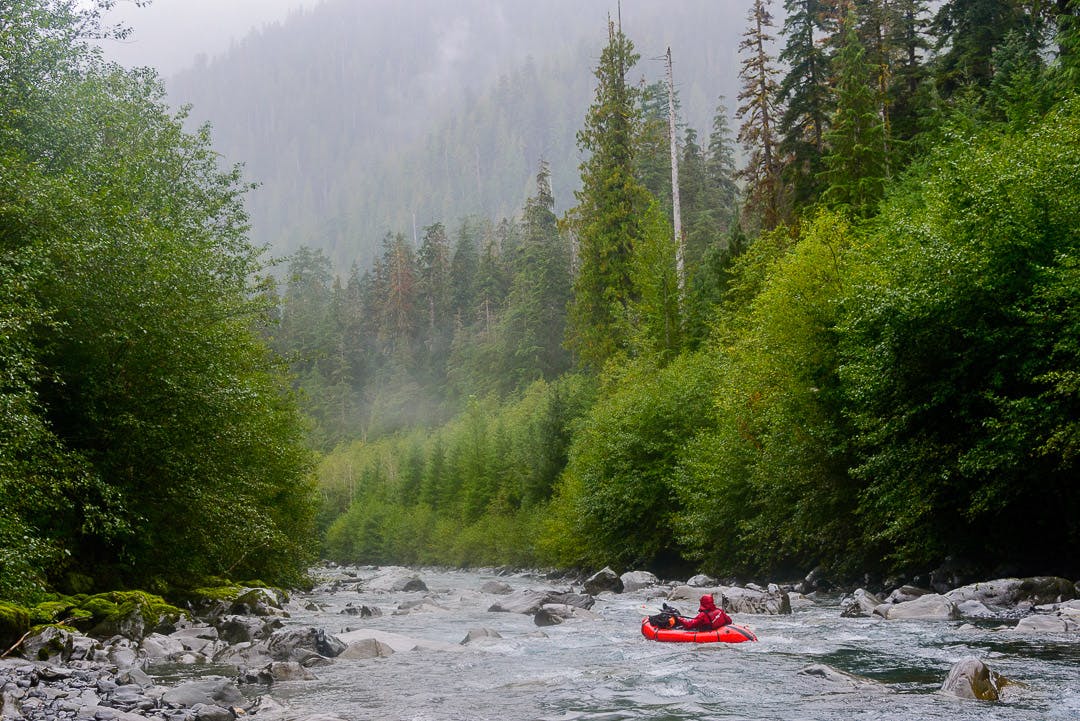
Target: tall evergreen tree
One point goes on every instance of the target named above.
(535, 322)
(967, 33)
(606, 220)
(855, 165)
(720, 165)
(759, 112)
(805, 93)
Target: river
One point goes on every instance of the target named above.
(604, 670)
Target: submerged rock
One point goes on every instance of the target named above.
(551, 614)
(496, 588)
(476, 634)
(299, 644)
(843, 681)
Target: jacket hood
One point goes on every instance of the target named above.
(707, 603)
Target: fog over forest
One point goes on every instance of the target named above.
(359, 119)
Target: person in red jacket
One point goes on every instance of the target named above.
(709, 617)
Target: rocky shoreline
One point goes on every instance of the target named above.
(62, 674)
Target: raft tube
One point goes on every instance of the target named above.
(725, 634)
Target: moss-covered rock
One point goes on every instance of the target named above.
(234, 599)
(131, 614)
(14, 622)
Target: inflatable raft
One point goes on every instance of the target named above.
(726, 634)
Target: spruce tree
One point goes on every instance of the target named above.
(720, 166)
(606, 220)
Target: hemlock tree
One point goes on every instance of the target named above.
(610, 202)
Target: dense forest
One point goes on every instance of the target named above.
(859, 351)
(866, 362)
(148, 437)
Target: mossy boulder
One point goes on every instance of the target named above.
(132, 614)
(14, 622)
(216, 601)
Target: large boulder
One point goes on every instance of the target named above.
(971, 678)
(906, 593)
(276, 671)
(239, 628)
(396, 580)
(637, 580)
(496, 588)
(932, 606)
(157, 647)
(701, 581)
(212, 692)
(300, 644)
(1042, 623)
(530, 601)
(398, 642)
(603, 580)
(477, 634)
(1008, 592)
(859, 604)
(365, 648)
(51, 643)
(551, 614)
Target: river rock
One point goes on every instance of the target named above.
(973, 609)
(603, 580)
(496, 588)
(211, 712)
(476, 634)
(525, 601)
(1008, 592)
(367, 648)
(971, 678)
(48, 644)
(861, 603)
(551, 614)
(211, 692)
(1047, 624)
(259, 601)
(265, 708)
(701, 581)
(398, 642)
(276, 671)
(298, 644)
(637, 580)
(843, 681)
(397, 580)
(932, 606)
(906, 593)
(530, 601)
(799, 601)
(157, 647)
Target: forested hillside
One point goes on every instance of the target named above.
(363, 118)
(859, 350)
(867, 361)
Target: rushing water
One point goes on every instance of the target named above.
(605, 670)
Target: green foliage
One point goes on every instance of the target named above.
(766, 485)
(958, 351)
(14, 622)
(620, 496)
(153, 438)
(471, 493)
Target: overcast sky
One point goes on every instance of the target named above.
(168, 34)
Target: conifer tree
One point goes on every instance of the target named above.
(967, 32)
(720, 166)
(805, 93)
(855, 164)
(606, 220)
(759, 113)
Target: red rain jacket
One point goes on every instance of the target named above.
(709, 617)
